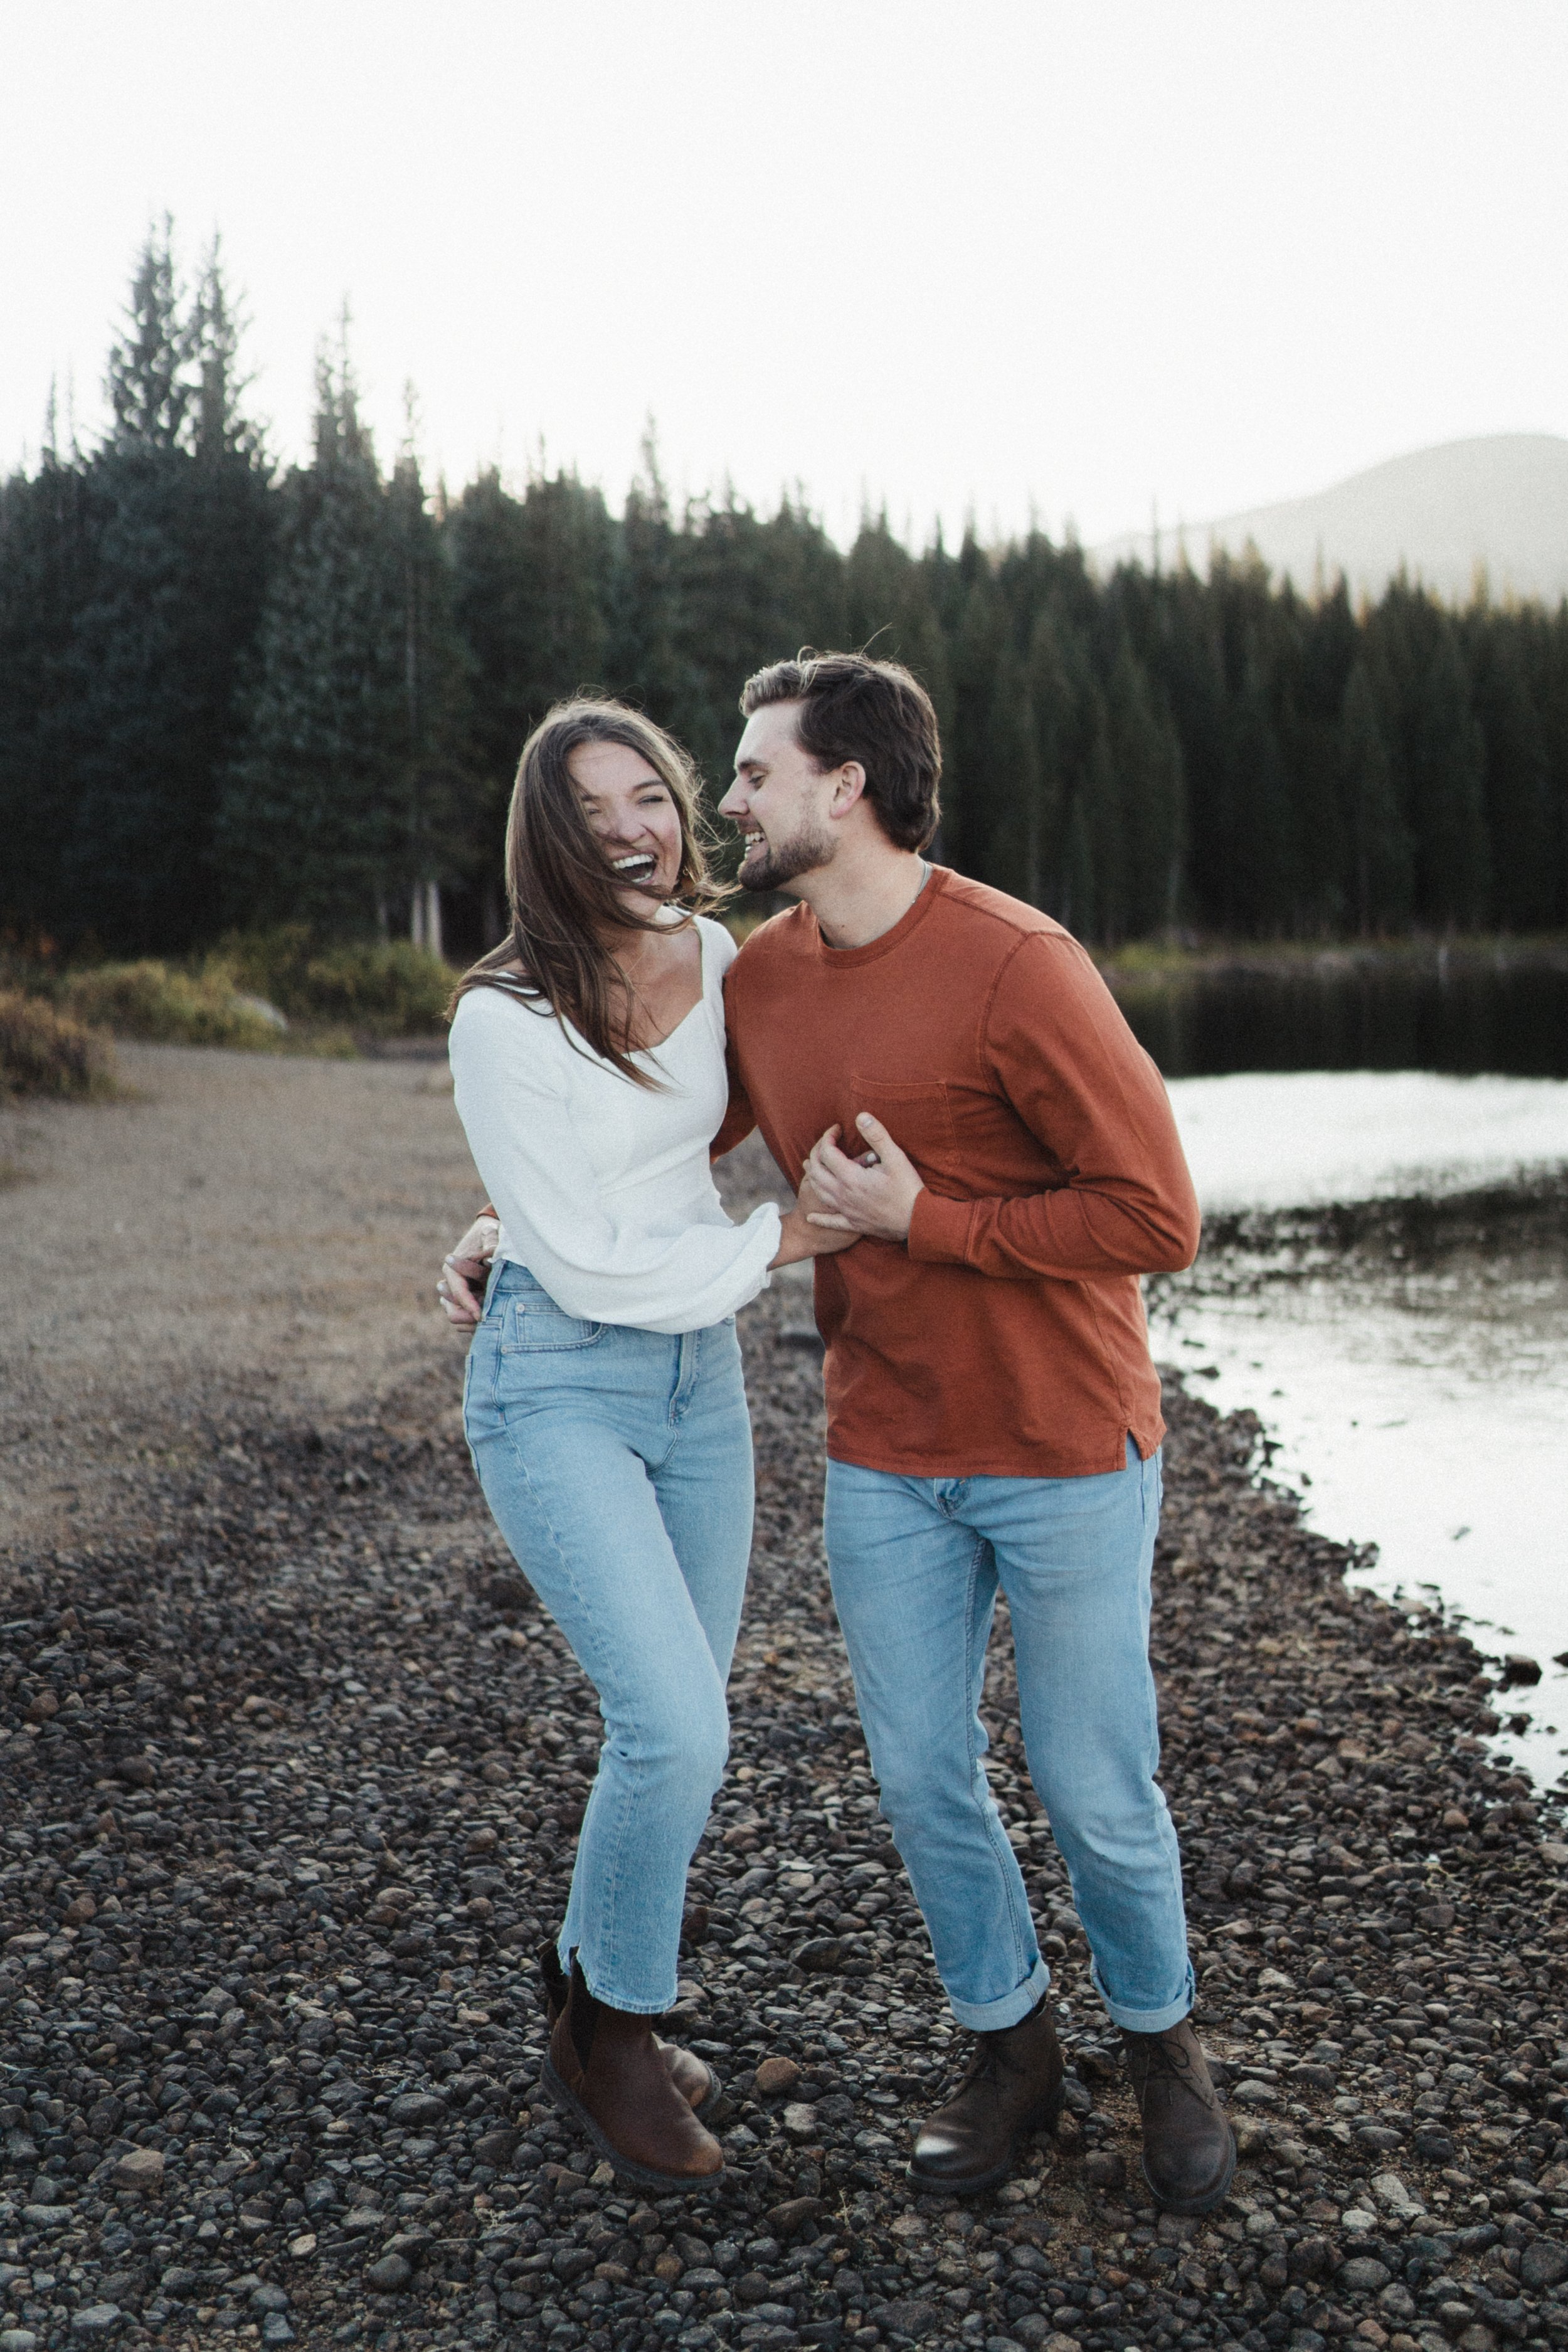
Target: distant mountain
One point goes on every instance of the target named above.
(1500, 502)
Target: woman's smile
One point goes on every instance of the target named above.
(639, 865)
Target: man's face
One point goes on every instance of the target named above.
(779, 800)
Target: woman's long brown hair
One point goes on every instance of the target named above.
(561, 891)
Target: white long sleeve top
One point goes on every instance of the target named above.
(604, 1187)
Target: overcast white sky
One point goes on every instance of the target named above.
(998, 256)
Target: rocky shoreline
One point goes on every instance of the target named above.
(291, 1768)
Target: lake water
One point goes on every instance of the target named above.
(1384, 1281)
(1460, 1010)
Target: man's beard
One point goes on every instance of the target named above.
(779, 863)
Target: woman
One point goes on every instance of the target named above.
(603, 1400)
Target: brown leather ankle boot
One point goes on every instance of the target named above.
(1189, 2148)
(1013, 2087)
(697, 2081)
(606, 2069)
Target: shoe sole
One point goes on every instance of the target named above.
(642, 2176)
(975, 2184)
(1187, 2209)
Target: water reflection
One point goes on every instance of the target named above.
(1409, 1358)
(1451, 1010)
(1321, 1137)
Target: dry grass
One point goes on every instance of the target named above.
(386, 988)
(150, 1000)
(44, 1051)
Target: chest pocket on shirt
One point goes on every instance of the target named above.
(918, 1115)
(535, 1326)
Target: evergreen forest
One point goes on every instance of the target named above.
(234, 693)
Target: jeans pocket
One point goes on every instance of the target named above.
(535, 1326)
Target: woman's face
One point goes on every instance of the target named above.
(633, 818)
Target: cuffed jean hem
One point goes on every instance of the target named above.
(996, 2016)
(622, 2007)
(1145, 2021)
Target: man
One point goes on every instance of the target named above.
(947, 1067)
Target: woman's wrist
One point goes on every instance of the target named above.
(799, 1239)
(794, 1240)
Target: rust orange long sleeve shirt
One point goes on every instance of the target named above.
(1007, 1338)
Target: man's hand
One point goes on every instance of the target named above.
(875, 1194)
(461, 1289)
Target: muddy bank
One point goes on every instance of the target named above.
(291, 1774)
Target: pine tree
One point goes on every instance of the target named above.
(1012, 857)
(645, 618)
(751, 591)
(49, 527)
(1377, 845)
(1262, 894)
(1327, 645)
(976, 761)
(1087, 900)
(1448, 770)
(314, 821)
(1517, 776)
(1548, 667)
(431, 785)
(149, 380)
(530, 589)
(1186, 651)
(182, 559)
(888, 612)
(1147, 809)
(531, 585)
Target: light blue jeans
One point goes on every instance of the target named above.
(618, 1464)
(916, 1564)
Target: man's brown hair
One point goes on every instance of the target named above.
(875, 713)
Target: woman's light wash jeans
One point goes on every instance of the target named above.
(916, 1563)
(618, 1464)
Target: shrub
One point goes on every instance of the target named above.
(387, 986)
(43, 1052)
(391, 986)
(148, 1000)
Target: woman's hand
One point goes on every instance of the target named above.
(461, 1289)
(875, 1194)
(800, 1238)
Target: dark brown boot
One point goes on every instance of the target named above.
(606, 2069)
(1189, 2148)
(697, 2081)
(1013, 2087)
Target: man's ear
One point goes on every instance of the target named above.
(848, 788)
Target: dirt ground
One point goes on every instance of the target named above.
(234, 1230)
